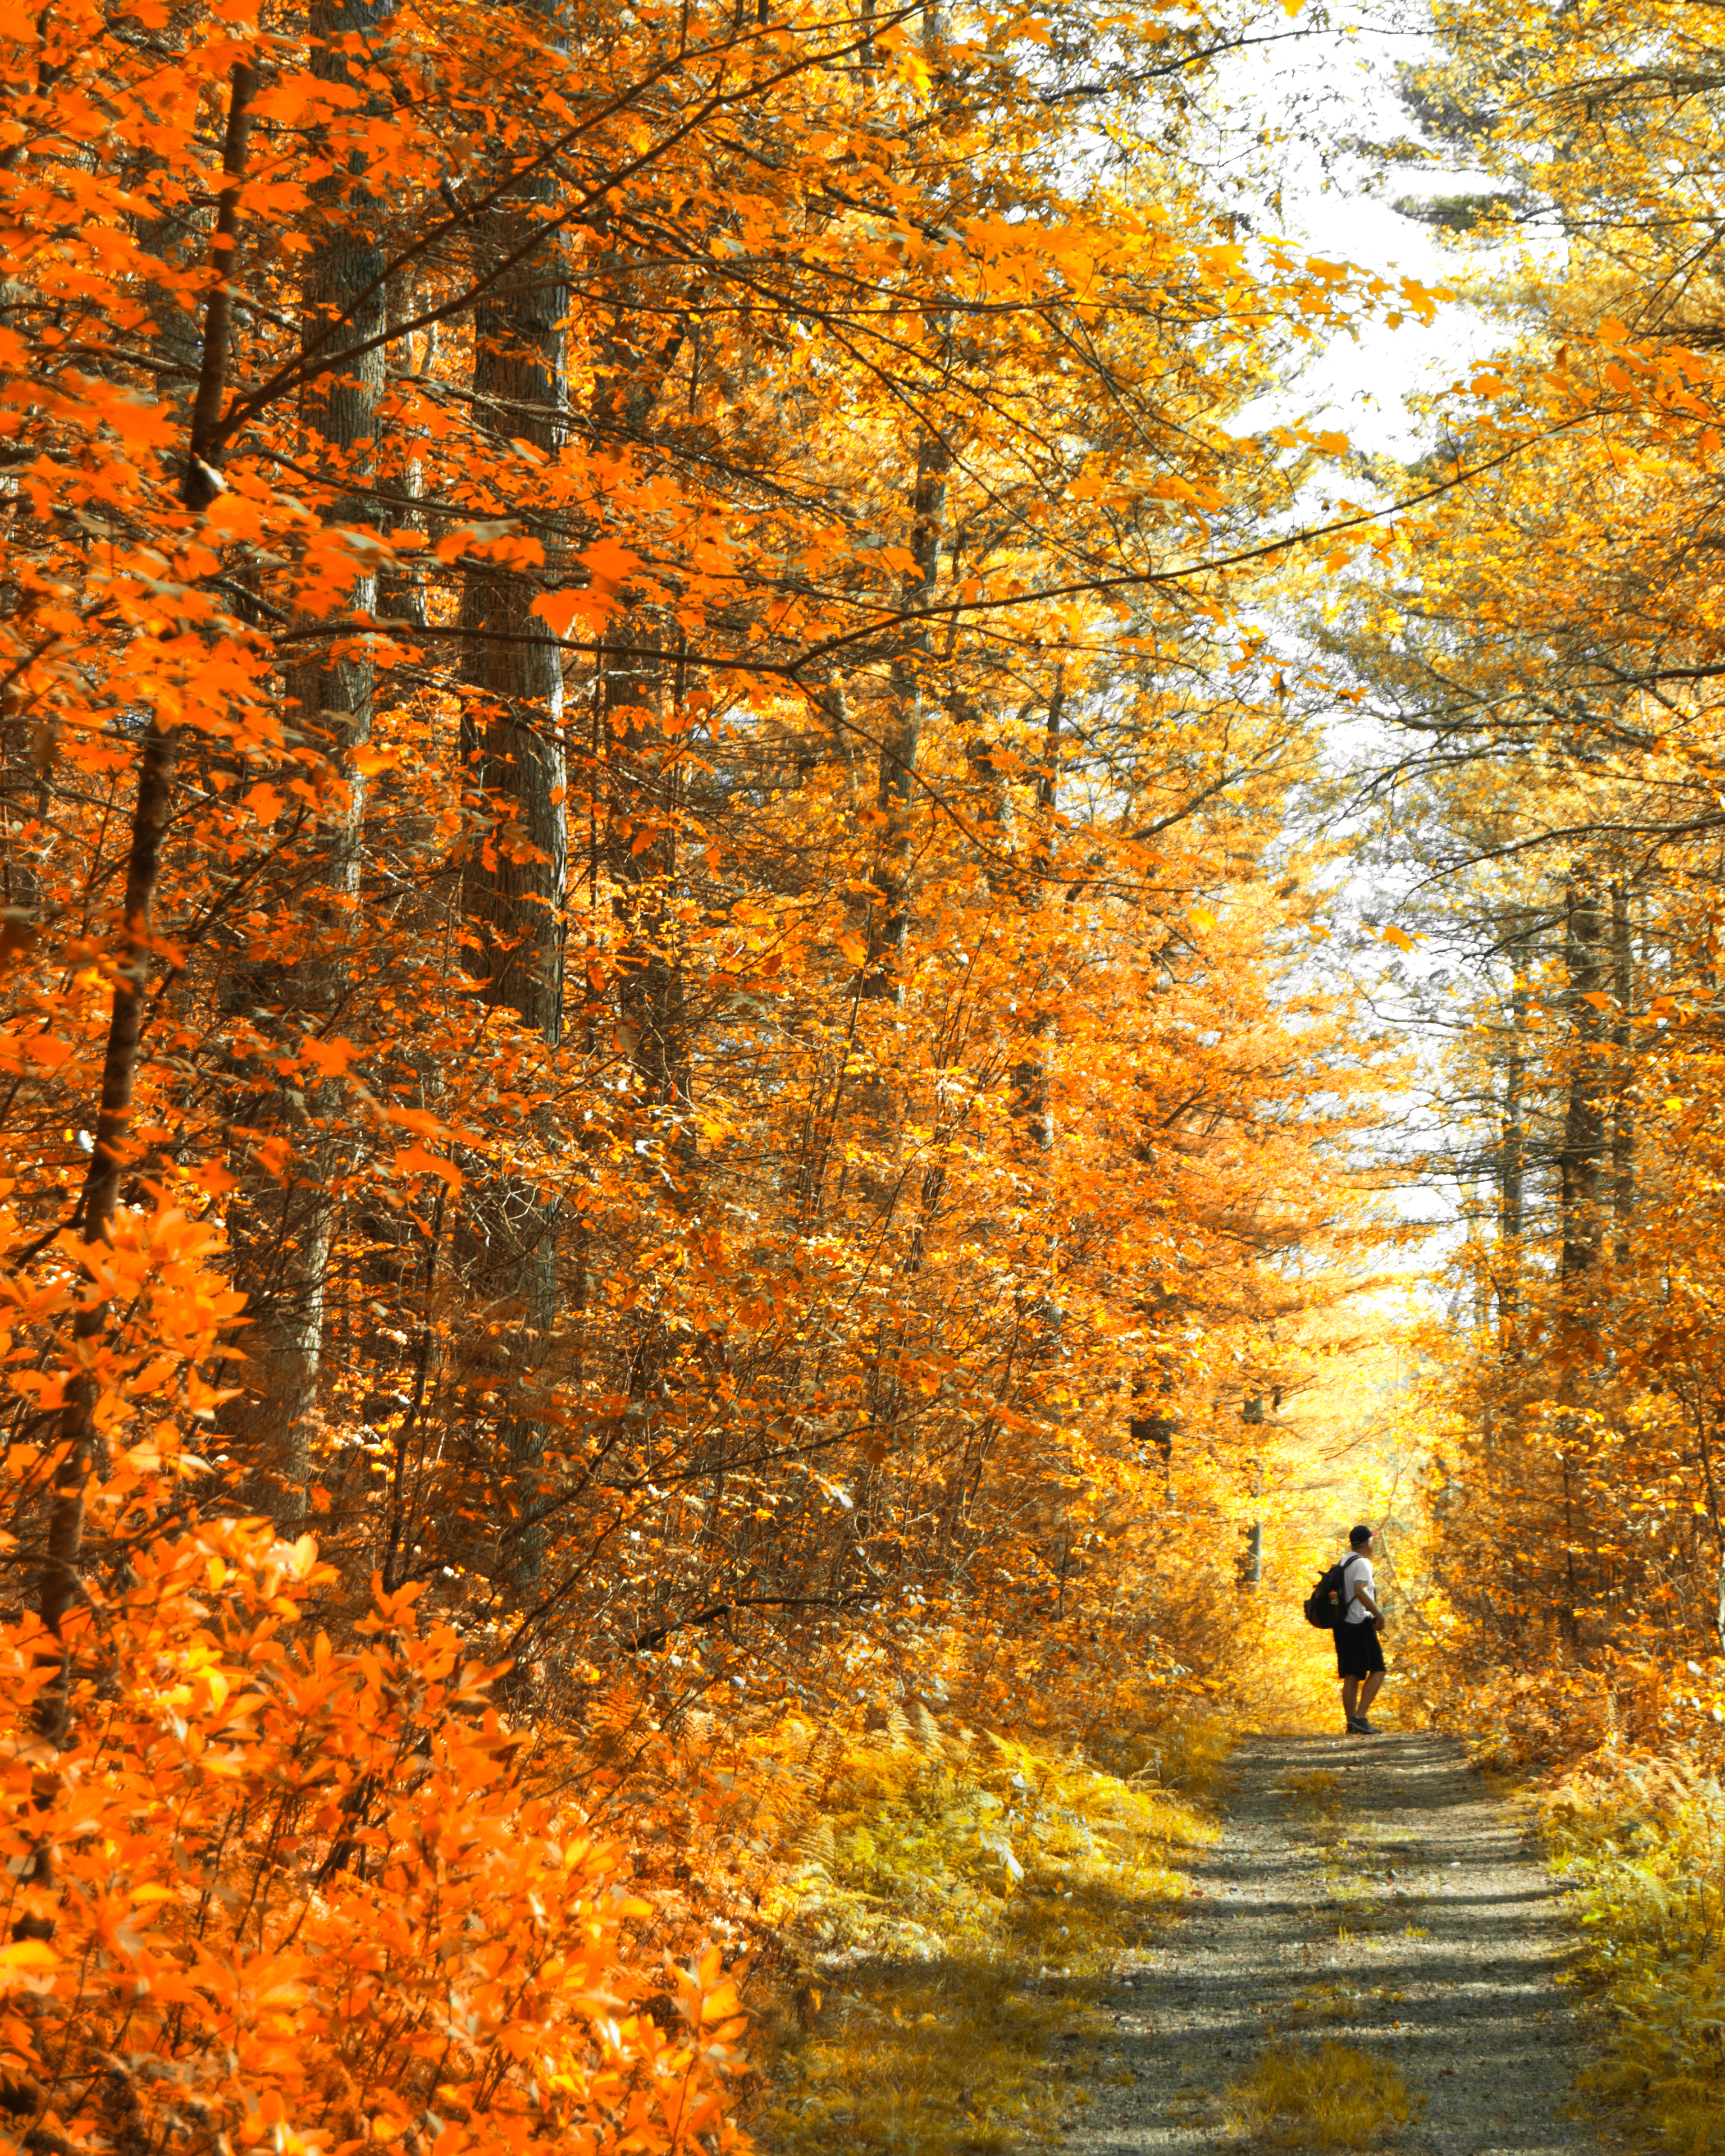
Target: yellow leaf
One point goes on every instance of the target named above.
(29, 1965)
(28, 1953)
(717, 2005)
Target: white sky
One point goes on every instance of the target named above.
(1331, 84)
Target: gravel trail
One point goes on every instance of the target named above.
(1373, 1891)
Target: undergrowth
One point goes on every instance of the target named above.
(1633, 1813)
(1331, 2097)
(1645, 1842)
(957, 1899)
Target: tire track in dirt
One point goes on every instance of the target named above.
(1375, 1892)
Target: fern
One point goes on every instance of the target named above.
(936, 1881)
(1645, 1844)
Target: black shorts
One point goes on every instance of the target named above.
(1358, 1650)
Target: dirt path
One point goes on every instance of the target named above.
(1375, 1893)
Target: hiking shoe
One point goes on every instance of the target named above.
(1361, 1727)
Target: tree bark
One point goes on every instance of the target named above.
(1582, 1163)
(1513, 1142)
(513, 881)
(1031, 1103)
(203, 480)
(1623, 1089)
(902, 730)
(514, 885)
(1584, 1144)
(292, 1236)
(59, 1580)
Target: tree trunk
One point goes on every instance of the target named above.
(1512, 1142)
(57, 1584)
(1584, 1144)
(203, 480)
(882, 1094)
(642, 866)
(513, 881)
(513, 885)
(901, 729)
(1623, 1090)
(1582, 1163)
(286, 1265)
(1031, 1103)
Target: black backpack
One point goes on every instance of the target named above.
(1327, 1604)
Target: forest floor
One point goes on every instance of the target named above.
(1373, 1933)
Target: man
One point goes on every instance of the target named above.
(1359, 1653)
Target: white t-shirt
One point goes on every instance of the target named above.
(1358, 1574)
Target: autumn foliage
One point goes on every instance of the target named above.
(279, 1893)
(660, 1062)
(1550, 643)
(1543, 651)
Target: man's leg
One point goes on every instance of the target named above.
(1350, 1694)
(1373, 1685)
